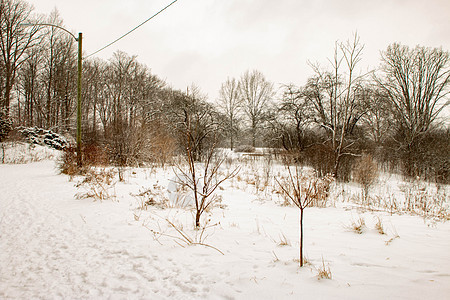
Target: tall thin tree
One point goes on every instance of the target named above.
(15, 39)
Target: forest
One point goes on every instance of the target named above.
(394, 115)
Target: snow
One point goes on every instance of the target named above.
(53, 246)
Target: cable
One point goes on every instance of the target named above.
(103, 48)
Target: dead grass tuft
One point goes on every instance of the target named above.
(98, 184)
(324, 272)
(379, 226)
(357, 226)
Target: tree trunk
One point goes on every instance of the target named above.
(231, 133)
(197, 219)
(337, 160)
(254, 135)
(301, 237)
(7, 95)
(231, 142)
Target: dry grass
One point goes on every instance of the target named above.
(284, 241)
(379, 226)
(324, 272)
(395, 236)
(98, 185)
(357, 226)
(424, 200)
(365, 173)
(183, 238)
(153, 196)
(305, 261)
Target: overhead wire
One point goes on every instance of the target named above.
(124, 35)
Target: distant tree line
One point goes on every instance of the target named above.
(132, 116)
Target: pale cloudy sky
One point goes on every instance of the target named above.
(206, 41)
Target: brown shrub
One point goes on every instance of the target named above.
(94, 155)
(365, 173)
(68, 162)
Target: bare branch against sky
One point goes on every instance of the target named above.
(206, 41)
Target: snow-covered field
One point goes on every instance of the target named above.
(55, 246)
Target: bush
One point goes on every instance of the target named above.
(244, 149)
(365, 173)
(427, 157)
(43, 137)
(68, 162)
(94, 155)
(5, 125)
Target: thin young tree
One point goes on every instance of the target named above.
(201, 178)
(304, 190)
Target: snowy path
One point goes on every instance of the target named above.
(48, 251)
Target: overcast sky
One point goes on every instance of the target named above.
(206, 41)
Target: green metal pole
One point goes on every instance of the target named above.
(80, 63)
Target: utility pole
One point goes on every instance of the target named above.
(80, 66)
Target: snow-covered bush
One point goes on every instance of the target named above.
(5, 125)
(43, 137)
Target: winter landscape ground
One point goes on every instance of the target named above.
(56, 244)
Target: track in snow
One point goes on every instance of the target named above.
(47, 250)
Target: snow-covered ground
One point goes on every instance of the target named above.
(53, 246)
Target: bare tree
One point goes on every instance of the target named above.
(417, 83)
(334, 97)
(201, 179)
(59, 74)
(195, 118)
(15, 39)
(93, 79)
(230, 103)
(377, 120)
(303, 190)
(256, 92)
(30, 88)
(294, 117)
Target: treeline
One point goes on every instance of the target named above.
(131, 116)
